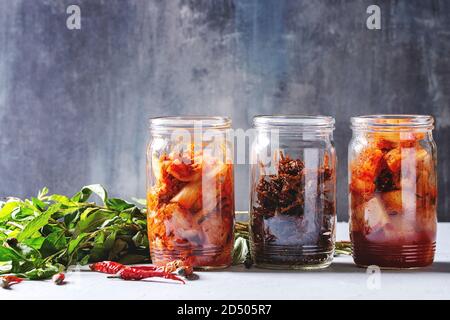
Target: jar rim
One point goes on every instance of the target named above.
(190, 122)
(392, 121)
(315, 122)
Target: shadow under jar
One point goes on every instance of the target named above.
(293, 192)
(392, 191)
(190, 194)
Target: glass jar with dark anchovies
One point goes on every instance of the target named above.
(293, 192)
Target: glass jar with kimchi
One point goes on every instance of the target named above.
(190, 195)
(392, 182)
(293, 192)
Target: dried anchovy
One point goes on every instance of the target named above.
(284, 193)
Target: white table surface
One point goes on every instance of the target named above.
(342, 280)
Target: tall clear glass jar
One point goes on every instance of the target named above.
(190, 191)
(293, 192)
(393, 190)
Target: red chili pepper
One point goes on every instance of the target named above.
(131, 273)
(109, 267)
(59, 278)
(112, 267)
(8, 281)
(145, 268)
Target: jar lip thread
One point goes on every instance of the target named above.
(190, 122)
(392, 121)
(305, 122)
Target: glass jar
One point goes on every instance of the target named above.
(190, 194)
(293, 192)
(392, 182)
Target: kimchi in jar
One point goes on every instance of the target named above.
(392, 177)
(190, 195)
(293, 192)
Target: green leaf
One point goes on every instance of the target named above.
(44, 273)
(7, 254)
(133, 214)
(81, 196)
(11, 233)
(35, 243)
(118, 204)
(109, 241)
(65, 201)
(37, 223)
(42, 193)
(87, 212)
(74, 243)
(140, 201)
(3, 234)
(24, 213)
(101, 246)
(20, 258)
(26, 252)
(38, 204)
(5, 267)
(50, 228)
(85, 260)
(110, 222)
(8, 208)
(140, 239)
(71, 218)
(54, 242)
(92, 222)
(85, 193)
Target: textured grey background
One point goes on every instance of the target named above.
(74, 104)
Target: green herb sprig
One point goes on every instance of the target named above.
(42, 236)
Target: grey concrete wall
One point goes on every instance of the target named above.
(74, 104)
